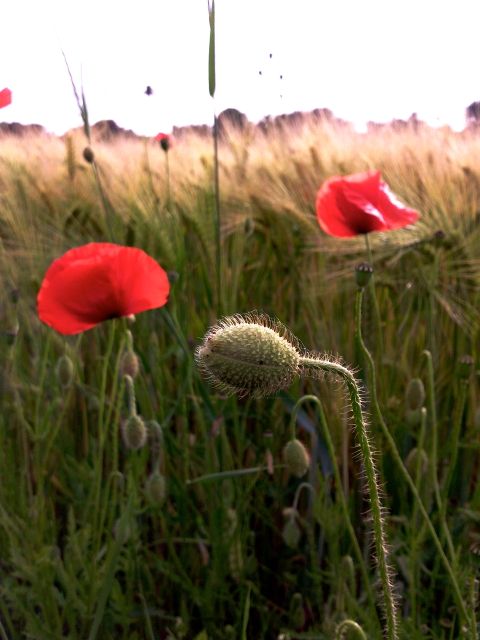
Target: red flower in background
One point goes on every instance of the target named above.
(360, 203)
(5, 98)
(165, 140)
(97, 282)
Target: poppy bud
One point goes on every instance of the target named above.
(129, 364)
(134, 432)
(416, 457)
(122, 530)
(64, 371)
(291, 533)
(156, 488)
(296, 458)
(88, 155)
(363, 273)
(297, 611)
(249, 355)
(415, 394)
(465, 366)
(229, 632)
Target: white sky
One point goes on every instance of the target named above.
(364, 59)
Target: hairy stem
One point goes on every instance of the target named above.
(399, 462)
(372, 482)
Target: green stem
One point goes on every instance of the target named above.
(432, 410)
(340, 493)
(399, 462)
(372, 482)
(376, 307)
(351, 628)
(218, 238)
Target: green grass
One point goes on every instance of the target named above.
(85, 553)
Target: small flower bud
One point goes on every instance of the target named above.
(249, 355)
(465, 366)
(296, 458)
(122, 530)
(363, 273)
(414, 458)
(134, 432)
(156, 488)
(129, 364)
(64, 371)
(291, 533)
(297, 612)
(415, 394)
(88, 155)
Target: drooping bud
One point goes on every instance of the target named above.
(415, 394)
(156, 488)
(249, 354)
(297, 612)
(415, 458)
(129, 364)
(134, 432)
(363, 273)
(64, 371)
(296, 458)
(88, 155)
(291, 531)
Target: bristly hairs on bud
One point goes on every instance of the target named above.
(255, 355)
(129, 363)
(296, 458)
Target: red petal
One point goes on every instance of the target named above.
(99, 281)
(5, 98)
(360, 203)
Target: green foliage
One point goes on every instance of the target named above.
(86, 552)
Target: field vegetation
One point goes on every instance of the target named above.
(203, 533)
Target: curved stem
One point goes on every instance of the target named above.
(371, 474)
(399, 462)
(349, 626)
(340, 493)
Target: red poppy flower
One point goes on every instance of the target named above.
(165, 140)
(360, 203)
(5, 98)
(97, 282)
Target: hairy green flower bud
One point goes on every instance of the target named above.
(134, 432)
(297, 611)
(291, 533)
(156, 488)
(415, 394)
(414, 458)
(249, 354)
(64, 371)
(129, 364)
(296, 458)
(363, 273)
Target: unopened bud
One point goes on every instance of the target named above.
(297, 612)
(296, 458)
(88, 155)
(129, 364)
(134, 432)
(156, 488)
(415, 394)
(249, 354)
(64, 371)
(363, 273)
(465, 366)
(291, 533)
(415, 458)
